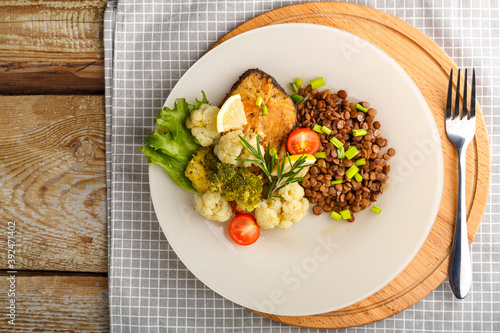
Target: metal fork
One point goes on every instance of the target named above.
(460, 128)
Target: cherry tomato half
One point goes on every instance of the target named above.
(243, 229)
(303, 141)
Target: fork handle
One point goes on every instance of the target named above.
(460, 268)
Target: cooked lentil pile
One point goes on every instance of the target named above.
(356, 185)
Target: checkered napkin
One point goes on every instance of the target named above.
(148, 47)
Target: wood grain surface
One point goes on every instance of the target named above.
(52, 182)
(52, 168)
(56, 303)
(51, 47)
(428, 66)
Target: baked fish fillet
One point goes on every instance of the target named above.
(282, 114)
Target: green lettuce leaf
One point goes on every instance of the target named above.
(172, 145)
(173, 167)
(198, 103)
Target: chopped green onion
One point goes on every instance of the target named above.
(359, 132)
(375, 209)
(360, 162)
(316, 83)
(320, 154)
(361, 108)
(264, 110)
(351, 152)
(336, 142)
(358, 177)
(338, 181)
(351, 171)
(336, 215)
(294, 87)
(346, 214)
(297, 98)
(298, 82)
(317, 129)
(258, 102)
(341, 153)
(326, 130)
(273, 151)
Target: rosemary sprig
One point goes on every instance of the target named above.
(269, 162)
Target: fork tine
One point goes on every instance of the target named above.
(464, 100)
(473, 95)
(457, 98)
(448, 98)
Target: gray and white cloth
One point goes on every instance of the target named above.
(148, 47)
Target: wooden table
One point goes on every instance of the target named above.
(52, 165)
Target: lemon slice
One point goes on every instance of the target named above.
(231, 115)
(310, 159)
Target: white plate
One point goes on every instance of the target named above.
(320, 264)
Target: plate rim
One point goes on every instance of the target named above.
(427, 111)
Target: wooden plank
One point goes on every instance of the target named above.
(54, 303)
(52, 182)
(51, 47)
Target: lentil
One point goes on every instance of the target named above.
(334, 111)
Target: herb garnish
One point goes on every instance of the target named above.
(270, 162)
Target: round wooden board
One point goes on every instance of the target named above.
(429, 67)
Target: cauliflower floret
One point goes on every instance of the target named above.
(292, 212)
(291, 192)
(282, 213)
(267, 213)
(203, 124)
(252, 140)
(229, 148)
(213, 207)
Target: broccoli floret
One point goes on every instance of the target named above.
(237, 184)
(207, 173)
(201, 168)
